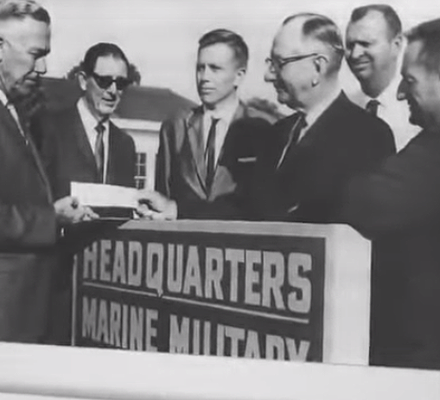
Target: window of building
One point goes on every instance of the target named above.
(141, 170)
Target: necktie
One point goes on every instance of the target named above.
(372, 107)
(298, 125)
(210, 153)
(99, 151)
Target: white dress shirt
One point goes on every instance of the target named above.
(224, 114)
(394, 112)
(90, 123)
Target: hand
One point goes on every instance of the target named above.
(155, 206)
(69, 211)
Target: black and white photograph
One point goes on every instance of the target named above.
(219, 199)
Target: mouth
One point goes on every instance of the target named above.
(110, 102)
(359, 65)
(206, 90)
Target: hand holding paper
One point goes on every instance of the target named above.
(155, 206)
(101, 195)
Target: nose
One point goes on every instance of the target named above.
(41, 66)
(354, 51)
(112, 88)
(269, 74)
(205, 74)
(402, 90)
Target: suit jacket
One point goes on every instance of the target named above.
(27, 236)
(307, 187)
(398, 204)
(181, 170)
(69, 157)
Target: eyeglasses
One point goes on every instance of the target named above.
(105, 81)
(279, 63)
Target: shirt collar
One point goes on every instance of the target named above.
(225, 112)
(315, 112)
(388, 95)
(3, 98)
(88, 119)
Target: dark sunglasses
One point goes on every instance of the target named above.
(105, 81)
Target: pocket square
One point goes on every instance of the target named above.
(293, 208)
(247, 159)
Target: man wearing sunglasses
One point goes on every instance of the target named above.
(311, 154)
(82, 144)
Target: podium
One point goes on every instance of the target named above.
(278, 291)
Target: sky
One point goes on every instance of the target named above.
(160, 36)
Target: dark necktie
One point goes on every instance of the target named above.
(99, 151)
(372, 107)
(210, 153)
(298, 125)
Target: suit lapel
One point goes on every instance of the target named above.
(27, 145)
(194, 132)
(83, 143)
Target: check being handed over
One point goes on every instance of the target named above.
(101, 195)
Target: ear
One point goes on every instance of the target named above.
(397, 42)
(320, 68)
(82, 79)
(239, 76)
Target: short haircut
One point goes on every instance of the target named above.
(102, 50)
(428, 34)
(231, 39)
(390, 16)
(21, 9)
(324, 30)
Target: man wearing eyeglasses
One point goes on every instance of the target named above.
(82, 144)
(312, 153)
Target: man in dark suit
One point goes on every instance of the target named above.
(81, 142)
(29, 220)
(310, 155)
(206, 158)
(399, 205)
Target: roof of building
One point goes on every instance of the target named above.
(138, 102)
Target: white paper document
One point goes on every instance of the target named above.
(101, 195)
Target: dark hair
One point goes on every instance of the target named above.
(389, 14)
(101, 50)
(21, 9)
(428, 34)
(232, 39)
(324, 30)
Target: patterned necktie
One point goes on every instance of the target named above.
(298, 125)
(99, 151)
(372, 107)
(210, 153)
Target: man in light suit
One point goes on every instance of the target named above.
(206, 158)
(374, 45)
(398, 204)
(29, 220)
(310, 155)
(75, 137)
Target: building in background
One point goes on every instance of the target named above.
(140, 113)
